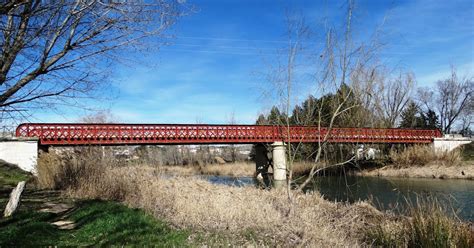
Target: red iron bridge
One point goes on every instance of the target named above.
(168, 134)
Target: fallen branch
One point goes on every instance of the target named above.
(14, 201)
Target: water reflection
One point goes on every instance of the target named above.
(392, 194)
(231, 181)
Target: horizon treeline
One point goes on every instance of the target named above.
(314, 111)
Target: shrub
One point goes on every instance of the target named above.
(428, 224)
(419, 155)
(83, 171)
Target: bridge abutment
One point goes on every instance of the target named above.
(450, 142)
(22, 152)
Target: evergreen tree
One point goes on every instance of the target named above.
(275, 117)
(430, 119)
(298, 116)
(261, 120)
(411, 118)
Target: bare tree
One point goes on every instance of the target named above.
(452, 98)
(103, 116)
(394, 95)
(56, 52)
(337, 62)
(233, 149)
(282, 76)
(466, 118)
(341, 58)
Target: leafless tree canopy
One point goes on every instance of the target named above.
(56, 51)
(452, 98)
(99, 117)
(394, 96)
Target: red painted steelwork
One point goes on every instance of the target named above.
(122, 134)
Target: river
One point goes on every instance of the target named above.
(391, 194)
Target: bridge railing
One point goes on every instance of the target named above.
(80, 134)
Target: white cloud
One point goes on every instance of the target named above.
(443, 72)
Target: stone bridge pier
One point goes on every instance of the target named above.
(273, 156)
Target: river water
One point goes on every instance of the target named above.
(391, 194)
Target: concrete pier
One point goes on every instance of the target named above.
(279, 162)
(22, 152)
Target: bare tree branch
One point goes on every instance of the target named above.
(43, 42)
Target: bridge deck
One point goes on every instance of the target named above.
(122, 134)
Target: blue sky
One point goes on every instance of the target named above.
(210, 69)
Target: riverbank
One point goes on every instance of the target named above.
(424, 162)
(463, 171)
(187, 211)
(238, 169)
(49, 218)
(246, 215)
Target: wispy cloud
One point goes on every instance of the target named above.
(208, 72)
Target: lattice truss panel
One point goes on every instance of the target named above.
(117, 134)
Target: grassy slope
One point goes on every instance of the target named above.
(467, 152)
(10, 176)
(98, 223)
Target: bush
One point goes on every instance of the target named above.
(83, 170)
(419, 155)
(428, 225)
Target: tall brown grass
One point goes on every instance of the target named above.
(237, 169)
(191, 203)
(84, 169)
(420, 155)
(428, 225)
(199, 205)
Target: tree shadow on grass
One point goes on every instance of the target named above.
(28, 228)
(97, 223)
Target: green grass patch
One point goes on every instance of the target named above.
(10, 175)
(97, 223)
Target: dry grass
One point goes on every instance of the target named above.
(239, 169)
(428, 225)
(235, 169)
(464, 171)
(424, 162)
(85, 169)
(191, 203)
(200, 205)
(187, 202)
(419, 155)
(304, 168)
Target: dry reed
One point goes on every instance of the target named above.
(238, 169)
(191, 203)
(187, 202)
(419, 155)
(464, 171)
(199, 205)
(427, 225)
